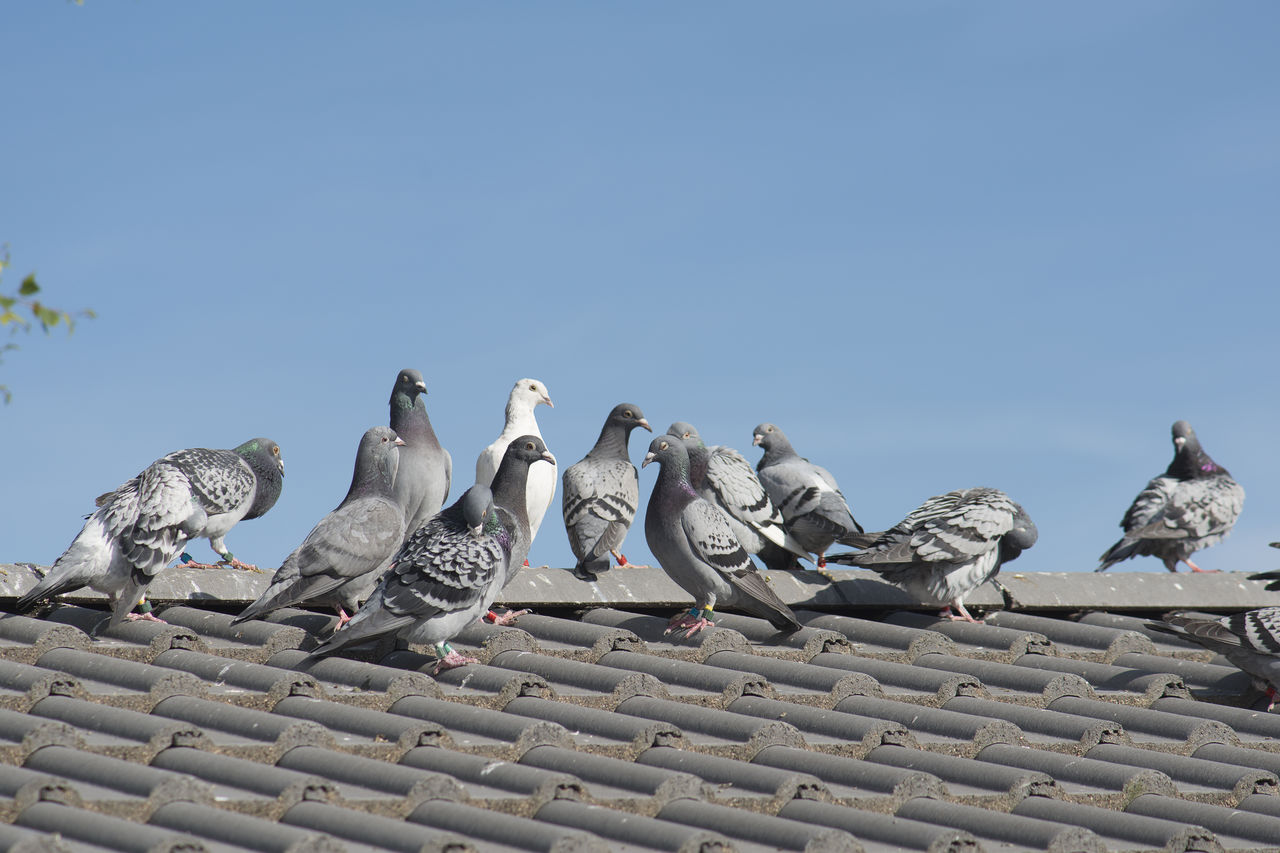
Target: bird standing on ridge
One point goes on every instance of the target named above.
(813, 508)
(343, 555)
(695, 545)
(145, 523)
(601, 493)
(1192, 505)
(947, 547)
(445, 577)
(525, 396)
(426, 469)
(723, 476)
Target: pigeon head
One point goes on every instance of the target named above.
(685, 430)
(528, 393)
(1021, 537)
(477, 507)
(768, 436)
(528, 449)
(263, 458)
(409, 384)
(1189, 459)
(628, 416)
(377, 459)
(667, 450)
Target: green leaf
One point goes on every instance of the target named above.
(29, 286)
(7, 302)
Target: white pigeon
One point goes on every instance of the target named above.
(525, 396)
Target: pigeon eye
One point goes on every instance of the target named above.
(275, 450)
(528, 445)
(627, 414)
(662, 446)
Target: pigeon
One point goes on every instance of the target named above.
(813, 508)
(426, 469)
(948, 547)
(141, 526)
(1250, 640)
(525, 395)
(1192, 505)
(446, 575)
(694, 543)
(343, 555)
(723, 476)
(601, 493)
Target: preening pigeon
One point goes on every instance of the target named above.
(445, 577)
(426, 469)
(341, 558)
(813, 508)
(723, 476)
(146, 522)
(601, 493)
(694, 543)
(1193, 505)
(525, 395)
(949, 546)
(1250, 640)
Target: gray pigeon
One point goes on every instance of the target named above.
(146, 522)
(949, 546)
(695, 545)
(445, 577)
(723, 476)
(426, 469)
(1250, 640)
(601, 494)
(341, 558)
(813, 508)
(1193, 505)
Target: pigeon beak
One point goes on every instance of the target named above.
(642, 422)
(421, 386)
(546, 454)
(648, 457)
(477, 530)
(399, 442)
(1179, 441)
(547, 400)
(756, 440)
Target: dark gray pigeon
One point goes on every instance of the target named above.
(695, 545)
(426, 469)
(601, 493)
(445, 577)
(1193, 505)
(343, 556)
(1250, 640)
(723, 476)
(813, 508)
(141, 526)
(948, 547)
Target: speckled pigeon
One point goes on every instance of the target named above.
(1193, 505)
(445, 577)
(344, 554)
(1250, 640)
(601, 493)
(146, 522)
(813, 508)
(723, 476)
(949, 546)
(525, 396)
(695, 545)
(426, 469)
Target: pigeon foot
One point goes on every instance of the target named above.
(452, 660)
(144, 617)
(236, 564)
(1196, 568)
(508, 618)
(694, 621)
(962, 616)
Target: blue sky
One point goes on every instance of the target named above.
(941, 244)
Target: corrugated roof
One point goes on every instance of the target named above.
(1065, 726)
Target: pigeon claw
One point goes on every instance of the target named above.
(508, 618)
(693, 622)
(236, 564)
(452, 660)
(144, 617)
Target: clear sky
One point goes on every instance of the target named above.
(941, 244)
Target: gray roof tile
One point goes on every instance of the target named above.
(1118, 826)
